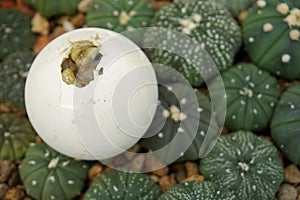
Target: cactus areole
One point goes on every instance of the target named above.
(84, 91)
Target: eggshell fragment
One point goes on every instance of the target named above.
(103, 118)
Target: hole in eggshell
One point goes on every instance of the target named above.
(82, 60)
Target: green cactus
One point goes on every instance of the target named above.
(245, 164)
(119, 15)
(271, 35)
(50, 8)
(197, 190)
(47, 174)
(251, 96)
(122, 185)
(15, 135)
(15, 31)
(14, 69)
(236, 6)
(177, 122)
(285, 124)
(205, 22)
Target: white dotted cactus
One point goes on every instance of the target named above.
(177, 122)
(205, 190)
(271, 35)
(119, 15)
(285, 124)
(245, 164)
(15, 135)
(14, 69)
(124, 186)
(236, 6)
(251, 96)
(15, 32)
(47, 174)
(207, 23)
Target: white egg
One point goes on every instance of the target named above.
(105, 117)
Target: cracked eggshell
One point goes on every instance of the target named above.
(102, 119)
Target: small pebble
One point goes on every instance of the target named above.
(191, 169)
(95, 171)
(287, 192)
(78, 21)
(137, 163)
(166, 182)
(6, 169)
(292, 174)
(154, 178)
(15, 193)
(161, 172)
(84, 5)
(193, 178)
(40, 24)
(3, 190)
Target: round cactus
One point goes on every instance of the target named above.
(122, 185)
(285, 124)
(47, 174)
(119, 15)
(245, 164)
(251, 97)
(197, 190)
(15, 31)
(15, 135)
(236, 6)
(205, 22)
(173, 116)
(14, 69)
(271, 35)
(50, 8)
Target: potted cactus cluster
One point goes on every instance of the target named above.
(245, 148)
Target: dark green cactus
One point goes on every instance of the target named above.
(236, 6)
(251, 97)
(15, 32)
(207, 23)
(197, 190)
(122, 185)
(50, 8)
(119, 15)
(47, 174)
(271, 35)
(245, 164)
(15, 135)
(285, 124)
(14, 69)
(176, 121)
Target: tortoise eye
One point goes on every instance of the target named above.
(97, 58)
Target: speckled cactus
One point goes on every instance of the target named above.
(119, 15)
(14, 69)
(245, 164)
(15, 135)
(47, 174)
(285, 124)
(236, 6)
(122, 185)
(50, 8)
(251, 97)
(197, 190)
(179, 122)
(15, 32)
(271, 36)
(207, 23)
